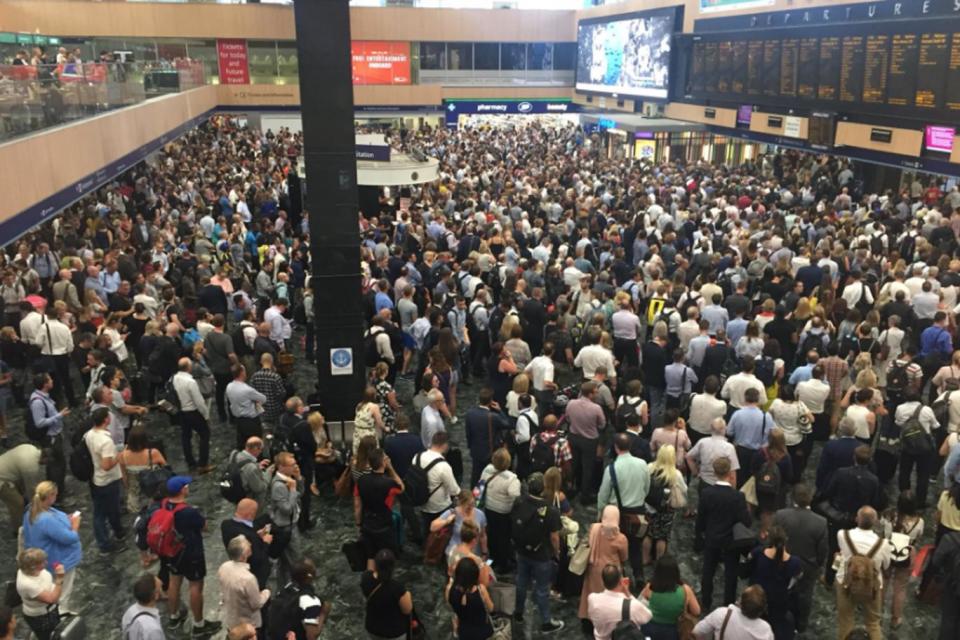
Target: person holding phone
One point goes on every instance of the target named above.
(40, 591)
(56, 534)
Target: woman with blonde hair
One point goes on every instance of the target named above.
(367, 419)
(521, 387)
(553, 491)
(608, 545)
(665, 480)
(56, 534)
(40, 591)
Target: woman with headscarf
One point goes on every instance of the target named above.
(607, 546)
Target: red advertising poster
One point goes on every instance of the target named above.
(232, 59)
(380, 62)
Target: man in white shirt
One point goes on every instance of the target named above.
(861, 541)
(431, 418)
(595, 355)
(30, 323)
(736, 386)
(441, 484)
(689, 328)
(744, 622)
(193, 417)
(605, 609)
(56, 344)
(912, 443)
(541, 372)
(704, 409)
(701, 457)
(813, 393)
(280, 329)
(105, 485)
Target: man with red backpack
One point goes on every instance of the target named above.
(175, 534)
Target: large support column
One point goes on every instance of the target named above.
(330, 197)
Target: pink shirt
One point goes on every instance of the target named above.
(585, 418)
(676, 438)
(605, 610)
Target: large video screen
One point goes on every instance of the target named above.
(627, 55)
(891, 68)
(380, 62)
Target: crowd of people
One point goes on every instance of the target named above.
(765, 350)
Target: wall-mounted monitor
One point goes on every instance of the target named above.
(626, 55)
(938, 138)
(744, 114)
(377, 62)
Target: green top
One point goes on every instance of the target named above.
(666, 606)
(633, 478)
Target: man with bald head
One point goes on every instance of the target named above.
(65, 290)
(244, 522)
(861, 540)
(262, 343)
(193, 417)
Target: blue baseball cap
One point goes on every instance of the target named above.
(176, 484)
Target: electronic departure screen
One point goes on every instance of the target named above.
(888, 68)
(629, 55)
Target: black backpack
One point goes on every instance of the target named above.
(623, 412)
(625, 629)
(659, 493)
(768, 478)
(153, 481)
(764, 370)
(33, 432)
(914, 439)
(371, 354)
(542, 456)
(142, 523)
(300, 315)
(528, 519)
(897, 380)
(231, 482)
(416, 484)
(240, 346)
(81, 462)
(813, 342)
(284, 612)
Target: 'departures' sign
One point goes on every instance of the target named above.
(232, 61)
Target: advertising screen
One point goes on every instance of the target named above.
(380, 62)
(627, 55)
(939, 138)
(744, 113)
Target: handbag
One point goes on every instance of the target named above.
(744, 538)
(580, 558)
(356, 555)
(343, 486)
(569, 531)
(631, 524)
(70, 628)
(417, 630)
(686, 621)
(504, 597)
(678, 498)
(501, 628)
(434, 550)
(749, 491)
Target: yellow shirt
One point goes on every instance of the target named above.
(949, 512)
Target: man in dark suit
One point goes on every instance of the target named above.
(402, 447)
(715, 358)
(534, 316)
(485, 426)
(837, 454)
(811, 276)
(849, 489)
(721, 507)
(242, 524)
(807, 535)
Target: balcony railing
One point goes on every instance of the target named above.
(37, 97)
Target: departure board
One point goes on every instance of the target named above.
(807, 70)
(952, 97)
(875, 69)
(892, 67)
(738, 76)
(755, 67)
(931, 64)
(724, 71)
(902, 77)
(829, 68)
(852, 65)
(771, 67)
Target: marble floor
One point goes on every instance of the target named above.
(104, 584)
